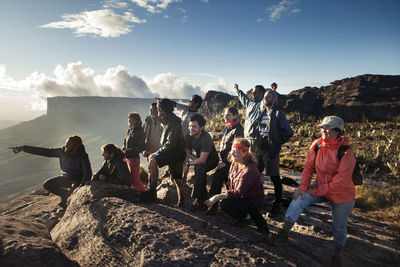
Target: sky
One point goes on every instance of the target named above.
(177, 48)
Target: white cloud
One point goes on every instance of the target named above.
(221, 85)
(204, 1)
(184, 19)
(104, 23)
(259, 20)
(74, 79)
(154, 6)
(115, 4)
(285, 6)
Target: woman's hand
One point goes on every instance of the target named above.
(299, 192)
(220, 165)
(210, 202)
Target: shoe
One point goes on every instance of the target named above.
(198, 205)
(213, 210)
(181, 203)
(280, 239)
(276, 209)
(148, 195)
(242, 223)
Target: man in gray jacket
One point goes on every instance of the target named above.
(273, 130)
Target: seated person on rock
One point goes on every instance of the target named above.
(74, 163)
(232, 130)
(246, 192)
(333, 184)
(114, 169)
(171, 152)
(204, 160)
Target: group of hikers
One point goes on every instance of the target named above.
(243, 155)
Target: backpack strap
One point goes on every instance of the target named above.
(317, 147)
(341, 151)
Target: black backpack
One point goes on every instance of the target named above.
(356, 176)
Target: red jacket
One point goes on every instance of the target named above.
(245, 182)
(333, 177)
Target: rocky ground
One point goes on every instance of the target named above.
(99, 229)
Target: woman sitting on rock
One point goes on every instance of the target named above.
(246, 193)
(333, 184)
(134, 143)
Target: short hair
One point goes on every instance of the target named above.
(166, 105)
(136, 117)
(154, 105)
(274, 85)
(199, 118)
(198, 100)
(259, 88)
(339, 131)
(109, 148)
(234, 111)
(250, 158)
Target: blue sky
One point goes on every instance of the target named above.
(175, 48)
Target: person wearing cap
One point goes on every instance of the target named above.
(333, 184)
(74, 163)
(245, 194)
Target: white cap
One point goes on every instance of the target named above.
(331, 122)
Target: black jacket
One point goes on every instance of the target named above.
(230, 133)
(171, 137)
(116, 171)
(134, 142)
(279, 130)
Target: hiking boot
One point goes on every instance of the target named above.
(280, 239)
(336, 260)
(148, 195)
(181, 203)
(198, 205)
(213, 210)
(276, 209)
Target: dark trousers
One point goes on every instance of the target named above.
(271, 166)
(200, 179)
(219, 178)
(62, 186)
(239, 208)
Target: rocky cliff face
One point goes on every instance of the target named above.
(374, 97)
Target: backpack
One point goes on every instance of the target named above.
(356, 176)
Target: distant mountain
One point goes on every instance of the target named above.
(98, 120)
(7, 123)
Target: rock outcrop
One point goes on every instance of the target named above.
(374, 97)
(105, 226)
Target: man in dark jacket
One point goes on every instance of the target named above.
(171, 152)
(204, 159)
(273, 131)
(74, 163)
(114, 170)
(232, 130)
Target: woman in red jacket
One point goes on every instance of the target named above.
(333, 184)
(246, 192)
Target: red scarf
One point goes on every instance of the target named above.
(231, 124)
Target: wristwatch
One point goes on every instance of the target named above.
(188, 163)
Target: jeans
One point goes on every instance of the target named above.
(340, 213)
(239, 208)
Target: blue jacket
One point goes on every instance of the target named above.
(77, 165)
(253, 111)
